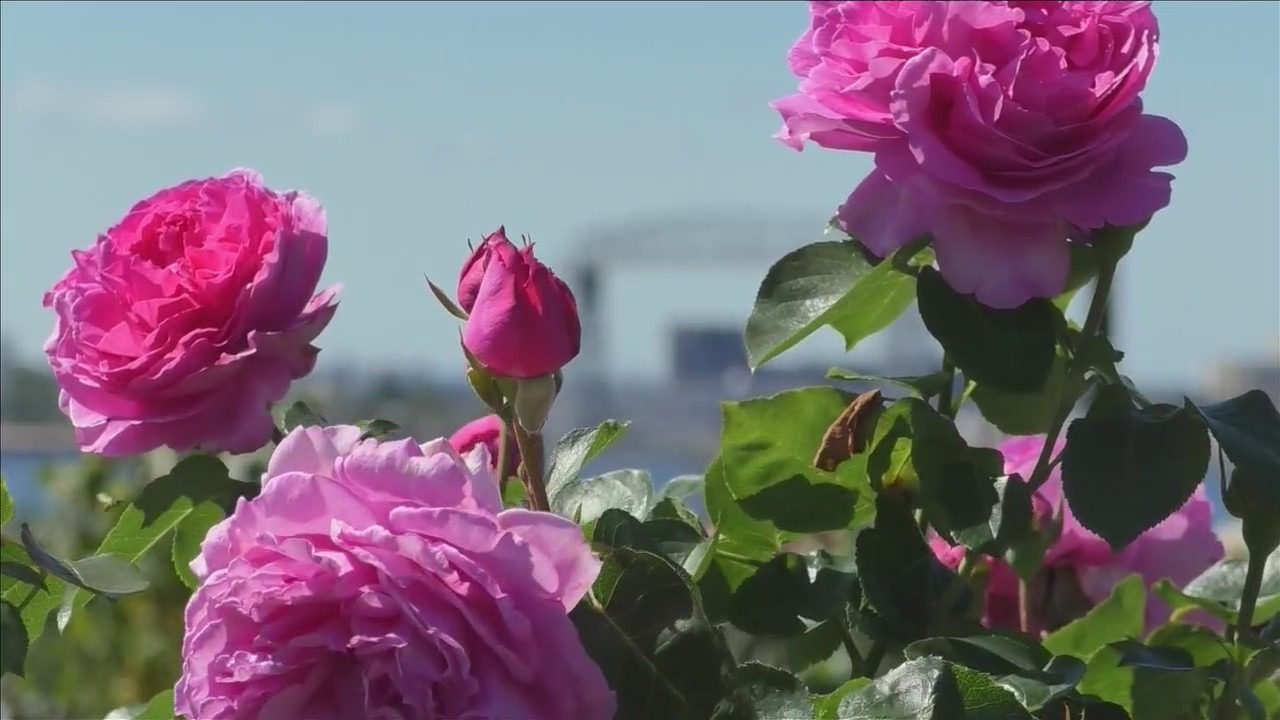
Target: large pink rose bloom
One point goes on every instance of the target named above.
(186, 320)
(1181, 547)
(384, 580)
(1001, 128)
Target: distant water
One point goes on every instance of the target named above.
(21, 472)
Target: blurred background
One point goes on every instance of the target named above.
(630, 140)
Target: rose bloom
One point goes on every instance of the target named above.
(189, 317)
(1000, 128)
(384, 581)
(487, 431)
(1080, 569)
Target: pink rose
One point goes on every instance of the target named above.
(1000, 128)
(1178, 549)
(524, 321)
(186, 320)
(495, 243)
(486, 431)
(384, 580)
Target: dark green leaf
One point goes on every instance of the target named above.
(1028, 413)
(13, 649)
(765, 693)
(585, 500)
(377, 429)
(1037, 690)
(825, 283)
(300, 414)
(1125, 470)
(737, 533)
(991, 654)
(920, 689)
(900, 577)
(446, 302)
(771, 600)
(1203, 645)
(577, 448)
(1010, 350)
(921, 386)
(1119, 617)
(643, 627)
(6, 503)
(769, 447)
(1247, 428)
(673, 539)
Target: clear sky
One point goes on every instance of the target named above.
(420, 125)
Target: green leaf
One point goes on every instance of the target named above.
(920, 689)
(300, 414)
(1119, 617)
(102, 574)
(737, 533)
(1150, 683)
(983, 699)
(21, 572)
(643, 626)
(1010, 350)
(1028, 413)
(1125, 470)
(1218, 590)
(577, 448)
(770, 601)
(194, 486)
(6, 503)
(160, 707)
(586, 500)
(670, 538)
(109, 575)
(514, 494)
(189, 533)
(921, 386)
(769, 445)
(765, 693)
(1247, 428)
(827, 706)
(825, 283)
(376, 429)
(446, 302)
(900, 577)
(13, 649)
(957, 489)
(991, 654)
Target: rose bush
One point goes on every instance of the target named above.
(1000, 129)
(384, 580)
(190, 317)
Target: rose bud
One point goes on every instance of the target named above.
(524, 321)
(496, 243)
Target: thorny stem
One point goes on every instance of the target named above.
(1092, 325)
(531, 460)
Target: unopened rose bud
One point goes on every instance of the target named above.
(524, 320)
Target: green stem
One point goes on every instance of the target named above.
(504, 433)
(945, 405)
(874, 657)
(1076, 370)
(1249, 596)
(858, 665)
(1024, 606)
(531, 460)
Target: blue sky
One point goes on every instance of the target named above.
(420, 125)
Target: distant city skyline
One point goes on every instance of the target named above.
(420, 125)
